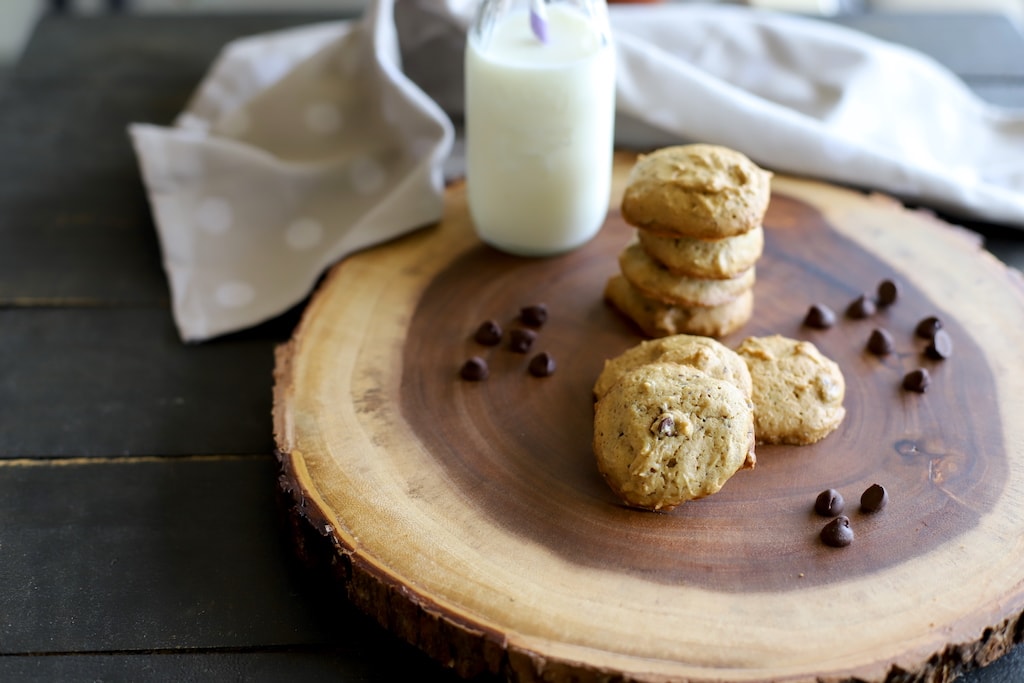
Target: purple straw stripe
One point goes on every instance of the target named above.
(539, 26)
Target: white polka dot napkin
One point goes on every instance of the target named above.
(299, 147)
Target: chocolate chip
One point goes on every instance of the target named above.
(880, 342)
(888, 292)
(535, 315)
(829, 503)
(542, 365)
(940, 347)
(664, 425)
(820, 317)
(520, 340)
(874, 498)
(861, 307)
(474, 370)
(488, 334)
(917, 380)
(927, 328)
(837, 533)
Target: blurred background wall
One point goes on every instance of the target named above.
(18, 16)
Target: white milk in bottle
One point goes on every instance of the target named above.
(539, 126)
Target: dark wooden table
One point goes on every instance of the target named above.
(141, 535)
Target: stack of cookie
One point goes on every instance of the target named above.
(698, 211)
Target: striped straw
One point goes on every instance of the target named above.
(539, 20)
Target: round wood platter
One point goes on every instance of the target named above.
(469, 517)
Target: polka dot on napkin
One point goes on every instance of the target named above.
(234, 294)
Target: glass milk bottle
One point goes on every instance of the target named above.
(540, 113)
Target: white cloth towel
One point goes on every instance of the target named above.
(298, 148)
(305, 145)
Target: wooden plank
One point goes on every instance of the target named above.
(54, 127)
(68, 254)
(118, 381)
(74, 220)
(157, 553)
(112, 51)
(361, 660)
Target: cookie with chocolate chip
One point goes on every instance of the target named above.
(666, 433)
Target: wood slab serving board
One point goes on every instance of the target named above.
(470, 519)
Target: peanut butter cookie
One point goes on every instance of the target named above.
(666, 433)
(798, 392)
(711, 357)
(710, 259)
(655, 281)
(702, 191)
(658, 319)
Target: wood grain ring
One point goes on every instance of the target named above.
(470, 519)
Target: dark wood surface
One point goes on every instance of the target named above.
(140, 534)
